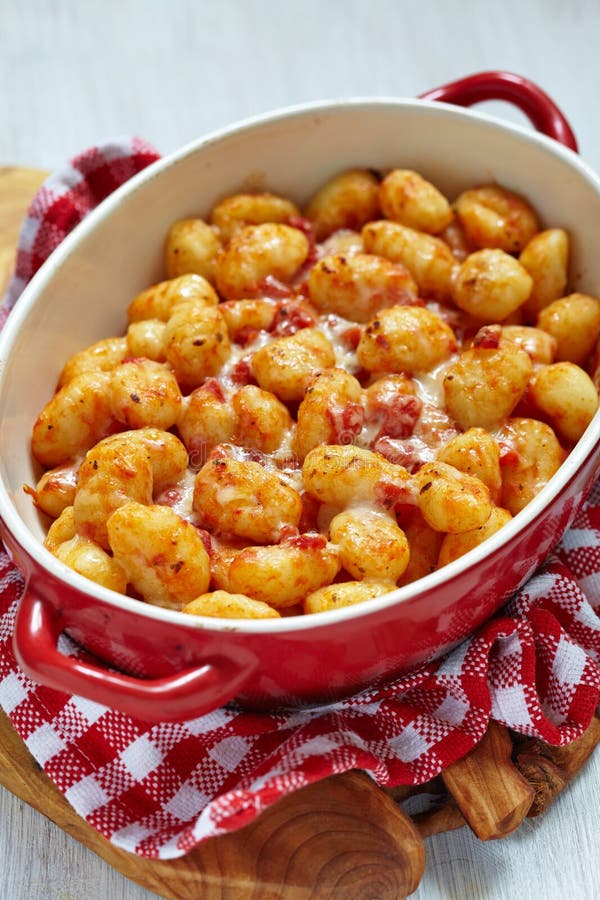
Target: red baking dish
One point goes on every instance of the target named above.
(165, 665)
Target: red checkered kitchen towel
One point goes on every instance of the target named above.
(158, 790)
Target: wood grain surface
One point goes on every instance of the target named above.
(17, 187)
(487, 787)
(72, 74)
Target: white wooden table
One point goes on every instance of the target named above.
(74, 73)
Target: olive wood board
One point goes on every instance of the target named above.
(340, 837)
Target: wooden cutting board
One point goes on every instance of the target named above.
(17, 187)
(338, 838)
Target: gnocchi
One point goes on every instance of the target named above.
(429, 259)
(405, 339)
(285, 365)
(286, 573)
(245, 500)
(257, 253)
(490, 285)
(159, 301)
(347, 201)
(163, 557)
(495, 217)
(406, 197)
(357, 286)
(371, 545)
(235, 212)
(191, 249)
(574, 323)
(321, 402)
(486, 382)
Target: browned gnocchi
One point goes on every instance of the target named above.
(314, 408)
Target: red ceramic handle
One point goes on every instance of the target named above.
(541, 110)
(175, 698)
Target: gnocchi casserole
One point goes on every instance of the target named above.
(319, 405)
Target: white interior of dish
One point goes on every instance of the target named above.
(82, 292)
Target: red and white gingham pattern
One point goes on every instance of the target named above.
(66, 198)
(157, 790)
